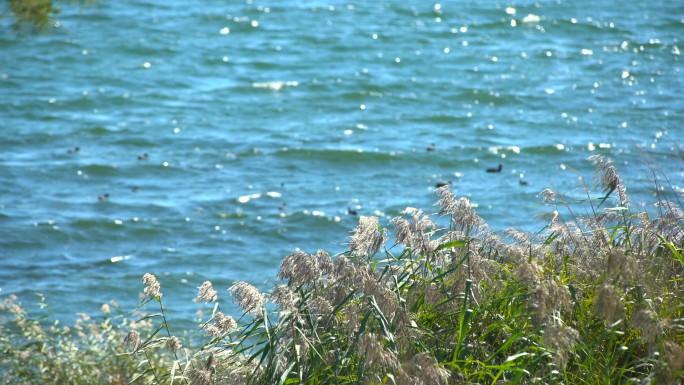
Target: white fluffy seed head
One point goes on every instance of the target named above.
(368, 237)
(248, 297)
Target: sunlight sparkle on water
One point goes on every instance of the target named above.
(247, 198)
(531, 18)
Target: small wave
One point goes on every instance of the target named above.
(249, 197)
(231, 215)
(313, 219)
(107, 261)
(531, 18)
(96, 130)
(552, 149)
(94, 223)
(99, 169)
(438, 118)
(104, 228)
(136, 142)
(499, 149)
(275, 86)
(338, 156)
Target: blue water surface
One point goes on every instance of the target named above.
(229, 134)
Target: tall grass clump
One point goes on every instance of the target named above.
(593, 298)
(41, 350)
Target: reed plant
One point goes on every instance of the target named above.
(589, 299)
(40, 350)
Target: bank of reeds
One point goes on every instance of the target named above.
(593, 299)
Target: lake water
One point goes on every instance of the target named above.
(264, 121)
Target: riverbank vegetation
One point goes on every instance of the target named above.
(32, 15)
(593, 298)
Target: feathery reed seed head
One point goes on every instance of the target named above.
(529, 272)
(607, 176)
(173, 343)
(551, 296)
(561, 339)
(299, 268)
(320, 306)
(206, 293)
(325, 263)
(248, 297)
(200, 376)
(225, 323)
(548, 195)
(284, 297)
(368, 237)
(647, 321)
(133, 340)
(375, 354)
(608, 304)
(460, 210)
(673, 357)
(417, 233)
(425, 369)
(152, 286)
(212, 330)
(620, 265)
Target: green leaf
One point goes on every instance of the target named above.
(286, 372)
(451, 244)
(516, 356)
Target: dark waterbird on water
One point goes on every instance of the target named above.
(443, 183)
(103, 197)
(498, 169)
(431, 147)
(74, 150)
(351, 211)
(143, 156)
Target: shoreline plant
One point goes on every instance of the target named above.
(595, 299)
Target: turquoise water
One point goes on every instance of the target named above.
(263, 122)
